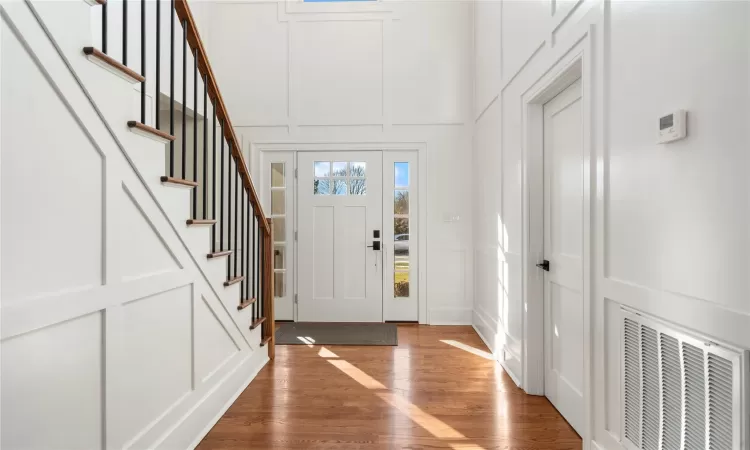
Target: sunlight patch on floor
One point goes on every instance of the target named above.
(356, 374)
(468, 348)
(325, 353)
(435, 426)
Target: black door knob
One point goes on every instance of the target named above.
(544, 265)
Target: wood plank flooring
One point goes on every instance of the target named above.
(436, 389)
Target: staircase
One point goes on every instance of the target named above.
(159, 253)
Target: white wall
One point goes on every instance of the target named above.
(115, 329)
(387, 72)
(670, 221)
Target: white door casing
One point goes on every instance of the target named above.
(563, 248)
(340, 279)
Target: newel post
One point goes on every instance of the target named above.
(268, 300)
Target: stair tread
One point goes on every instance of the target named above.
(219, 254)
(245, 303)
(265, 341)
(103, 57)
(151, 130)
(234, 280)
(179, 181)
(200, 221)
(257, 322)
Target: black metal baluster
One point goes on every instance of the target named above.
(229, 211)
(184, 99)
(242, 246)
(221, 192)
(171, 90)
(259, 280)
(252, 271)
(213, 184)
(157, 95)
(125, 32)
(246, 255)
(195, 133)
(104, 28)
(143, 60)
(205, 149)
(262, 268)
(236, 211)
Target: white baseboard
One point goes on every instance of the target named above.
(450, 316)
(207, 412)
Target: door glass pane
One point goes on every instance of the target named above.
(401, 250)
(278, 199)
(401, 202)
(358, 186)
(401, 284)
(322, 168)
(401, 174)
(279, 285)
(339, 187)
(358, 169)
(279, 256)
(277, 174)
(279, 229)
(322, 187)
(339, 169)
(401, 229)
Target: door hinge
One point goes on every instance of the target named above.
(295, 235)
(296, 299)
(295, 173)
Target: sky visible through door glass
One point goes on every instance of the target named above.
(402, 174)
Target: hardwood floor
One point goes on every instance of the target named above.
(435, 390)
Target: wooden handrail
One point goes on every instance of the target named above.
(204, 67)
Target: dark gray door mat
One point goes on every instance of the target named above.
(302, 333)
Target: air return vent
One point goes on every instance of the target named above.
(680, 391)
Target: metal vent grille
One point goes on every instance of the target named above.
(671, 393)
(650, 398)
(719, 403)
(632, 381)
(695, 397)
(680, 392)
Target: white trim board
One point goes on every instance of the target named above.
(256, 148)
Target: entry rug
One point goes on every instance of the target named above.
(304, 333)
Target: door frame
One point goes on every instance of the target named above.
(574, 64)
(256, 158)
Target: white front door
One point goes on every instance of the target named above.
(340, 216)
(563, 248)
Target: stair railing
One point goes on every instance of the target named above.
(245, 235)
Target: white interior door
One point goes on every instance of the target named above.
(563, 248)
(340, 213)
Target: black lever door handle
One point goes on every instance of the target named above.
(544, 265)
(375, 245)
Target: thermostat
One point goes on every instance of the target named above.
(673, 127)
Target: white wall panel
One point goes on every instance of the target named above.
(487, 53)
(337, 72)
(156, 350)
(51, 188)
(429, 59)
(214, 343)
(142, 250)
(251, 45)
(53, 379)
